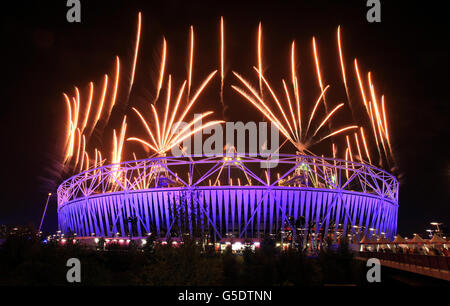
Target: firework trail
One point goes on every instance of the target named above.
(296, 92)
(349, 150)
(68, 141)
(361, 86)
(118, 142)
(78, 147)
(83, 153)
(102, 101)
(136, 51)
(346, 164)
(222, 58)
(365, 145)
(191, 60)
(386, 129)
(319, 74)
(161, 70)
(260, 58)
(116, 86)
(163, 128)
(358, 147)
(78, 127)
(319, 79)
(375, 110)
(88, 110)
(376, 117)
(344, 78)
(87, 161)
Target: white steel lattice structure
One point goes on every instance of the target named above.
(228, 195)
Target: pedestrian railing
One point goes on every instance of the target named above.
(431, 265)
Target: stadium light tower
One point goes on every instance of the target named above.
(45, 210)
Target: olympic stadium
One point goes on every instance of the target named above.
(229, 196)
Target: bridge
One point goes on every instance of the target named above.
(429, 265)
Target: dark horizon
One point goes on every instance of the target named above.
(44, 55)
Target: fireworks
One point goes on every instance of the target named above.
(341, 61)
(301, 140)
(116, 85)
(260, 58)
(288, 118)
(222, 58)
(136, 51)
(377, 117)
(162, 69)
(118, 141)
(168, 134)
(76, 127)
(191, 59)
(303, 124)
(166, 130)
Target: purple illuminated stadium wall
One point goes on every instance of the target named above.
(337, 197)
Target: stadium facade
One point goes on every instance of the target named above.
(231, 196)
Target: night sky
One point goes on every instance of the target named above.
(43, 55)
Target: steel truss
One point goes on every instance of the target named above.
(223, 195)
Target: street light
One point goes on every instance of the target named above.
(438, 230)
